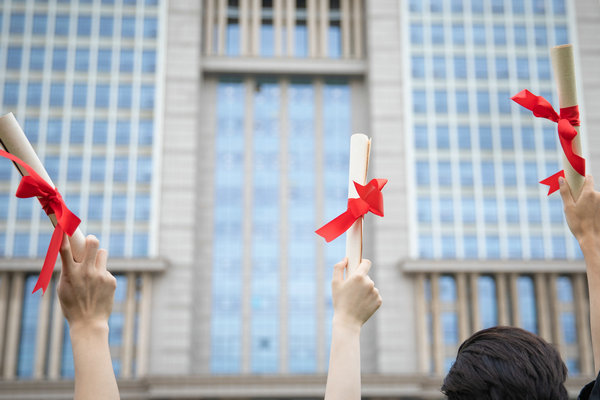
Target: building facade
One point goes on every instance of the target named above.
(204, 142)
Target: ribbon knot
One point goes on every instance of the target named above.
(370, 200)
(567, 120)
(33, 185)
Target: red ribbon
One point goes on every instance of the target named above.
(370, 199)
(567, 121)
(52, 202)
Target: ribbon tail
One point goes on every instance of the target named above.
(552, 182)
(50, 260)
(336, 226)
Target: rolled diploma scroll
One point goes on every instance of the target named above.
(14, 141)
(564, 73)
(360, 147)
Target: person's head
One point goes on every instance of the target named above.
(505, 363)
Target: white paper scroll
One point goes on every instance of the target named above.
(564, 74)
(14, 141)
(360, 148)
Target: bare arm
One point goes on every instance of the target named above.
(355, 299)
(86, 292)
(583, 217)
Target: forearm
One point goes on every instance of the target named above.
(343, 378)
(591, 252)
(94, 376)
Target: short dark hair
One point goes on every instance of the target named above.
(506, 363)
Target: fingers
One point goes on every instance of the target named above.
(101, 258)
(588, 184)
(91, 249)
(338, 270)
(565, 192)
(364, 267)
(65, 255)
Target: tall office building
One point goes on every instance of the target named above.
(203, 142)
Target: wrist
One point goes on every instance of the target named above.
(346, 324)
(88, 329)
(589, 244)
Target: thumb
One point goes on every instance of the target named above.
(565, 192)
(338, 270)
(66, 256)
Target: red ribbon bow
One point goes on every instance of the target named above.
(52, 202)
(567, 121)
(370, 199)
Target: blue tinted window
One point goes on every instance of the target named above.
(490, 210)
(300, 40)
(74, 168)
(11, 93)
(504, 102)
(506, 138)
(439, 67)
(558, 7)
(146, 132)
(556, 210)
(17, 23)
(492, 245)
(437, 34)
(13, 57)
(522, 68)
(79, 94)
(527, 306)
(54, 132)
(460, 67)
(77, 131)
(147, 97)
(477, 7)
(421, 140)
(36, 58)
(541, 35)
(569, 329)
(443, 137)
(444, 173)
(549, 136)
(536, 244)
(126, 60)
(82, 59)
(539, 7)
(481, 68)
(100, 131)
(123, 131)
(533, 210)
(468, 210)
(148, 61)
(501, 67)
(84, 25)
(104, 60)
(119, 207)
(446, 209)
(59, 58)
(466, 173)
(499, 35)
(424, 209)
(106, 25)
(425, 246)
(456, 6)
(102, 95)
(34, 94)
(478, 34)
(142, 207)
(150, 27)
(487, 173)
(121, 169)
(40, 22)
(31, 129)
(510, 173)
(520, 35)
(436, 6)
(416, 6)
(140, 244)
(485, 138)
(462, 102)
(144, 169)
(470, 246)
(57, 94)
(419, 101)
(267, 39)
(418, 66)
(543, 64)
(483, 102)
(514, 247)
(441, 105)
(29, 318)
(531, 174)
(98, 168)
(128, 27)
(458, 34)
(422, 172)
(416, 33)
(486, 292)
(61, 26)
(512, 210)
(464, 137)
(561, 35)
(124, 98)
(527, 138)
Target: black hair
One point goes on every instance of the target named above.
(506, 363)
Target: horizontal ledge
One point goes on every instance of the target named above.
(281, 65)
(114, 264)
(493, 266)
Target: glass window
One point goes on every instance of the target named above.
(77, 131)
(419, 101)
(61, 25)
(147, 97)
(527, 138)
(536, 244)
(478, 33)
(149, 61)
(514, 247)
(446, 209)
(458, 34)
(561, 35)
(17, 23)
(486, 292)
(531, 174)
(556, 210)
(477, 7)
(11, 93)
(100, 131)
(119, 207)
(558, 8)
(123, 132)
(40, 23)
(102, 95)
(126, 60)
(466, 173)
(464, 137)
(150, 27)
(539, 7)
(487, 173)
(300, 39)
(483, 101)
(121, 165)
(437, 34)
(142, 207)
(490, 210)
(501, 67)
(541, 35)
(504, 102)
(54, 133)
(543, 64)
(98, 168)
(439, 67)
(425, 246)
(500, 35)
(444, 173)
(462, 102)
(443, 137)
(518, 6)
(416, 6)
(441, 105)
(470, 246)
(28, 333)
(13, 57)
(418, 66)
(79, 94)
(449, 251)
(527, 306)
(421, 139)
(468, 210)
(267, 39)
(84, 25)
(36, 59)
(82, 59)
(144, 169)
(485, 138)
(460, 67)
(146, 132)
(549, 137)
(492, 245)
(128, 27)
(520, 35)
(31, 128)
(59, 59)
(74, 168)
(416, 33)
(456, 6)
(57, 94)
(436, 6)
(424, 209)
(106, 25)
(522, 68)
(124, 98)
(534, 211)
(34, 94)
(510, 173)
(481, 68)
(104, 60)
(422, 173)
(512, 210)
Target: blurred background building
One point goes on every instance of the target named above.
(204, 141)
